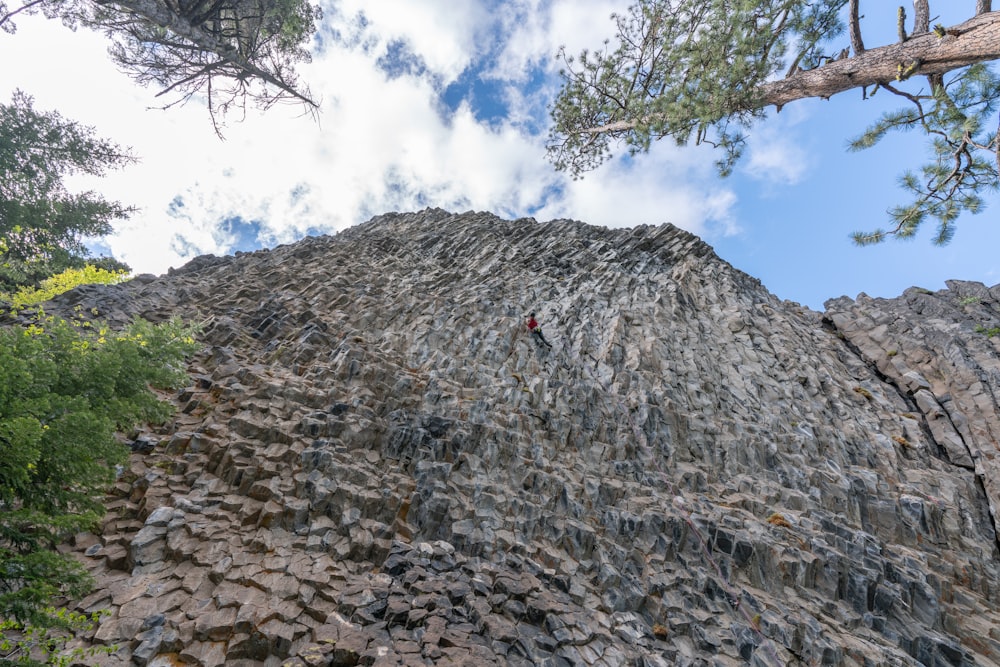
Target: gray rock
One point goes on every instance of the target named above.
(375, 463)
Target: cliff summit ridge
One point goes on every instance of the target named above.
(376, 463)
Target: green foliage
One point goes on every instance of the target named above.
(292, 23)
(23, 645)
(686, 70)
(703, 70)
(963, 151)
(968, 300)
(988, 332)
(42, 224)
(66, 387)
(63, 282)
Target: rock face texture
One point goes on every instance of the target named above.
(376, 463)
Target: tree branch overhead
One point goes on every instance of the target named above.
(715, 90)
(975, 41)
(227, 51)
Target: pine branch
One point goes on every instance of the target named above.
(854, 28)
(27, 8)
(921, 17)
(162, 16)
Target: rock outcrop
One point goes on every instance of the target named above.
(377, 464)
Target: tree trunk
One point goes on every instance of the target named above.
(977, 40)
(983, 6)
(159, 14)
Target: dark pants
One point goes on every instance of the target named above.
(538, 332)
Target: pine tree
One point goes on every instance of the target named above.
(227, 52)
(42, 224)
(706, 71)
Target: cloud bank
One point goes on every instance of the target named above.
(425, 103)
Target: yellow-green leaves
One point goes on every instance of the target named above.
(63, 282)
(65, 388)
(42, 222)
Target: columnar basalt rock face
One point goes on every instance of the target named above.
(377, 464)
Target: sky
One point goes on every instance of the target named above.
(445, 103)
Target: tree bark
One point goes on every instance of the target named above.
(977, 40)
(921, 17)
(983, 6)
(159, 14)
(854, 29)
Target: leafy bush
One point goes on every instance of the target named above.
(63, 282)
(989, 333)
(65, 389)
(34, 645)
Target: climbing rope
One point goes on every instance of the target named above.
(680, 504)
(733, 597)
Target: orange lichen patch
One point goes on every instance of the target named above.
(777, 519)
(660, 631)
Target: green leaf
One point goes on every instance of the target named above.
(43, 223)
(64, 391)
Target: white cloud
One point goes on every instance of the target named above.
(444, 33)
(667, 185)
(379, 144)
(539, 28)
(774, 158)
(776, 152)
(579, 26)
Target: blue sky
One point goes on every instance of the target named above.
(795, 236)
(443, 103)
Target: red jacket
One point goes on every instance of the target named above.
(532, 324)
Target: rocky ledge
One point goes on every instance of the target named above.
(377, 464)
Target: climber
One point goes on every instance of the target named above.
(536, 330)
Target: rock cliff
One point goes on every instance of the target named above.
(377, 464)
